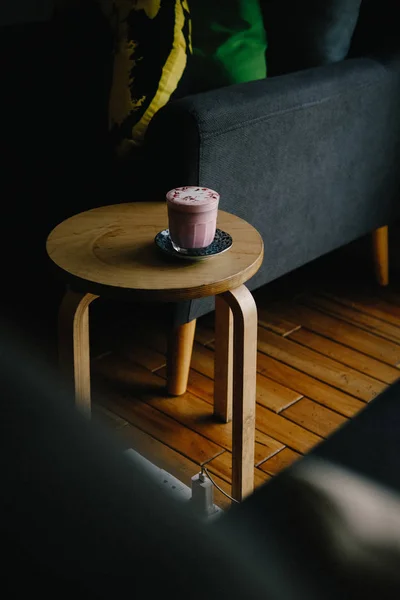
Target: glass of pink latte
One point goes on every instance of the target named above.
(192, 217)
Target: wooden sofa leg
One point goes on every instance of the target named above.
(180, 345)
(380, 246)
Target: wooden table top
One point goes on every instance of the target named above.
(111, 251)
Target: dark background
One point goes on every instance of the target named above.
(24, 37)
(53, 130)
(24, 11)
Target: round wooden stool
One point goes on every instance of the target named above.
(110, 251)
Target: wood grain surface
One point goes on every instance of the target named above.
(111, 250)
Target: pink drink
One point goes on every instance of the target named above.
(192, 216)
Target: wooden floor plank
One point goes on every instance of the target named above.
(148, 357)
(346, 334)
(222, 466)
(354, 316)
(391, 295)
(203, 360)
(352, 358)
(280, 461)
(271, 446)
(198, 384)
(270, 393)
(204, 335)
(314, 417)
(285, 431)
(107, 418)
(327, 346)
(189, 410)
(271, 320)
(161, 427)
(169, 431)
(201, 386)
(320, 367)
(273, 395)
(171, 461)
(366, 301)
(308, 386)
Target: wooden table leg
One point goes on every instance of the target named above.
(73, 345)
(244, 311)
(223, 369)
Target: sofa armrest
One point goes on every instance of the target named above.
(290, 152)
(186, 128)
(242, 105)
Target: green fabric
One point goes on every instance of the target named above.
(229, 43)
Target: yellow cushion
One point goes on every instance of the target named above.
(152, 39)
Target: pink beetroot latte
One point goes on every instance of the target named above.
(192, 217)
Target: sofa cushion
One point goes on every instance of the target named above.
(150, 55)
(308, 33)
(153, 44)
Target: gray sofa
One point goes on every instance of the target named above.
(310, 158)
